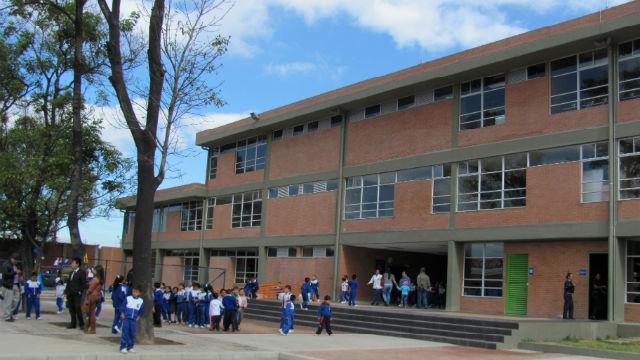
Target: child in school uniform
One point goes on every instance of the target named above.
(305, 291)
(315, 289)
(204, 299)
(60, 287)
(173, 306)
(287, 315)
(158, 300)
(181, 300)
(324, 316)
(353, 290)
(131, 311)
(344, 294)
(166, 296)
(33, 289)
(215, 311)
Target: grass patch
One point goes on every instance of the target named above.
(619, 344)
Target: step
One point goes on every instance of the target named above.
(384, 332)
(374, 326)
(442, 319)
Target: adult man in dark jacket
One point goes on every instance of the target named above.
(10, 287)
(75, 288)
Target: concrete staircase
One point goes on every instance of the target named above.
(483, 333)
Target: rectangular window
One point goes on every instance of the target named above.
(281, 252)
(406, 102)
(251, 154)
(246, 266)
(247, 209)
(129, 217)
(336, 121)
(277, 134)
(159, 223)
(213, 162)
(191, 219)
(312, 126)
(483, 263)
(298, 130)
(633, 271)
(630, 168)
(595, 172)
(482, 102)
(441, 190)
(535, 71)
(579, 81)
(371, 111)
(294, 190)
(370, 196)
(443, 93)
(211, 204)
(629, 70)
(492, 183)
(317, 251)
(554, 156)
(421, 173)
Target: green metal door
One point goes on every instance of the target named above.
(517, 278)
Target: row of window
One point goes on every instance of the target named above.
(307, 128)
(404, 102)
(307, 252)
(303, 189)
(251, 155)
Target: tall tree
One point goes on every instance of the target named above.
(180, 54)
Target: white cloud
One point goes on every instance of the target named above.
(284, 69)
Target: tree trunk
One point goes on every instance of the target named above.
(76, 142)
(142, 239)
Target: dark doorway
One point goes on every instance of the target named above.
(598, 286)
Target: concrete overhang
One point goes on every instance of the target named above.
(168, 196)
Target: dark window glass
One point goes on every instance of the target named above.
(294, 190)
(298, 130)
(272, 252)
(307, 252)
(554, 156)
(372, 111)
(312, 126)
(307, 188)
(415, 174)
(629, 70)
(292, 252)
(330, 251)
(277, 134)
(443, 93)
(332, 185)
(227, 147)
(336, 120)
(535, 71)
(406, 102)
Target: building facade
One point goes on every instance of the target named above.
(499, 169)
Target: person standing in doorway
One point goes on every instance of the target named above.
(376, 282)
(75, 289)
(569, 288)
(10, 287)
(598, 298)
(423, 283)
(389, 283)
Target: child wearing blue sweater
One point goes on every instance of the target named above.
(130, 312)
(353, 290)
(158, 300)
(324, 316)
(33, 289)
(287, 315)
(404, 289)
(119, 295)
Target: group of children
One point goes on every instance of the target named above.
(199, 306)
(288, 309)
(349, 290)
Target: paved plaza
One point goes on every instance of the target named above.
(49, 339)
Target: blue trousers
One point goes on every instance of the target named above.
(116, 321)
(60, 303)
(128, 335)
(203, 314)
(165, 311)
(98, 308)
(386, 294)
(352, 297)
(192, 314)
(181, 314)
(404, 299)
(343, 296)
(305, 300)
(315, 294)
(33, 302)
(287, 323)
(422, 298)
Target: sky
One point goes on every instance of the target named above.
(282, 51)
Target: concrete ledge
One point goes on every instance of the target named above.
(571, 350)
(235, 355)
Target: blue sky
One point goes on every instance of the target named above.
(286, 50)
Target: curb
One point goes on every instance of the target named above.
(572, 350)
(239, 355)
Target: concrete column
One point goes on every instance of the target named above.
(158, 265)
(262, 263)
(455, 268)
(617, 263)
(337, 249)
(203, 265)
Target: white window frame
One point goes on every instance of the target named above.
(252, 215)
(378, 202)
(193, 223)
(433, 187)
(635, 153)
(626, 273)
(482, 109)
(628, 57)
(261, 140)
(483, 279)
(582, 182)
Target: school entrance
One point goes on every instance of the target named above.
(363, 261)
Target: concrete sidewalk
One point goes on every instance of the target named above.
(49, 339)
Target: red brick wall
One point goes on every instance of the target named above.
(226, 263)
(172, 270)
(551, 261)
(222, 225)
(632, 313)
(111, 258)
(527, 113)
(173, 229)
(308, 153)
(412, 211)
(302, 215)
(226, 173)
(292, 271)
(629, 209)
(628, 110)
(404, 133)
(553, 196)
(482, 305)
